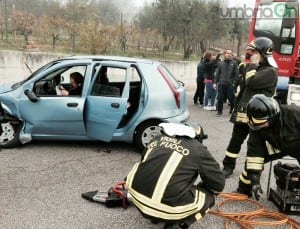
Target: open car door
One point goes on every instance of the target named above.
(106, 103)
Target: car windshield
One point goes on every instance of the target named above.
(18, 84)
(279, 26)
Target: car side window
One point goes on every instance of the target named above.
(109, 82)
(52, 83)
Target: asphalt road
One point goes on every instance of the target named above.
(41, 182)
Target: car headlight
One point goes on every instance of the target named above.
(295, 96)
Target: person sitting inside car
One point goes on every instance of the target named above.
(76, 80)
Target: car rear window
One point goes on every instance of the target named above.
(166, 73)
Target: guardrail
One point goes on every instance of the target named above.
(14, 66)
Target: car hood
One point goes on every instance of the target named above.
(6, 87)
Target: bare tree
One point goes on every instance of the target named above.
(96, 37)
(52, 27)
(24, 23)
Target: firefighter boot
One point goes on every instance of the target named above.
(176, 226)
(244, 189)
(227, 171)
(229, 165)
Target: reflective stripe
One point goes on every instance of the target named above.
(131, 174)
(255, 166)
(242, 117)
(271, 150)
(255, 163)
(258, 121)
(255, 160)
(250, 74)
(198, 216)
(166, 175)
(245, 173)
(232, 155)
(244, 180)
(160, 210)
(147, 154)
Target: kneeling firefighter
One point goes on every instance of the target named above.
(162, 186)
(175, 182)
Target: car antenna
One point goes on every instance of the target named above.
(27, 66)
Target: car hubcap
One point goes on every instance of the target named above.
(7, 132)
(150, 133)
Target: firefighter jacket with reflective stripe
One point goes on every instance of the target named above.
(257, 80)
(162, 184)
(280, 139)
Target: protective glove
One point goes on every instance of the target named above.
(256, 191)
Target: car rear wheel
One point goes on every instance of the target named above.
(145, 133)
(9, 135)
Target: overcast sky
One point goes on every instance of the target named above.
(231, 3)
(141, 2)
(249, 3)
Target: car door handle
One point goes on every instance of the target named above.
(115, 105)
(72, 104)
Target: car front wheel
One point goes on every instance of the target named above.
(9, 136)
(145, 133)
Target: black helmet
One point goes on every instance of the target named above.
(264, 46)
(260, 110)
(191, 130)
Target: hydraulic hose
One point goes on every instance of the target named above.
(250, 219)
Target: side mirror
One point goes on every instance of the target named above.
(31, 95)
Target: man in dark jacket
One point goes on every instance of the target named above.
(199, 93)
(225, 76)
(274, 133)
(260, 78)
(162, 185)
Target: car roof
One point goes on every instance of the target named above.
(111, 58)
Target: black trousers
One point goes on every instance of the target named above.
(199, 93)
(224, 90)
(239, 134)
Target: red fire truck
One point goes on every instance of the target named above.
(279, 21)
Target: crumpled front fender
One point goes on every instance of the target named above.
(4, 109)
(6, 116)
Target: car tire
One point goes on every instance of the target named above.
(145, 133)
(9, 135)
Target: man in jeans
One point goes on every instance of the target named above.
(210, 64)
(226, 73)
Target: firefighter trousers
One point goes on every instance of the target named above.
(239, 134)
